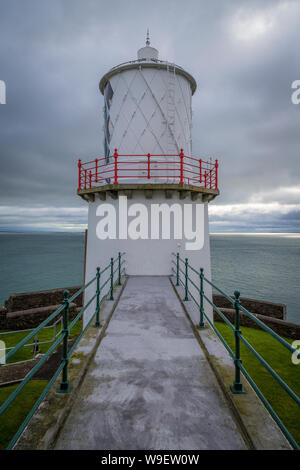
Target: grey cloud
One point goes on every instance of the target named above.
(52, 55)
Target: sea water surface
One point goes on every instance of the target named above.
(265, 267)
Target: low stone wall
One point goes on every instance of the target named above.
(43, 298)
(29, 309)
(260, 307)
(281, 327)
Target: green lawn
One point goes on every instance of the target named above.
(279, 358)
(44, 335)
(20, 407)
(15, 414)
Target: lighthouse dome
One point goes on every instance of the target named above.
(148, 52)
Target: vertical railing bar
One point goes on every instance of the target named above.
(237, 387)
(201, 321)
(98, 291)
(64, 385)
(111, 279)
(186, 280)
(119, 273)
(177, 269)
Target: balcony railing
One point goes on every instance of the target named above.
(148, 168)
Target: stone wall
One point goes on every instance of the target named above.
(281, 327)
(29, 309)
(260, 307)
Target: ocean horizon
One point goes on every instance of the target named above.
(262, 266)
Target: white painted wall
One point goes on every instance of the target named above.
(143, 257)
(150, 111)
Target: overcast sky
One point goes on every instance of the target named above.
(243, 54)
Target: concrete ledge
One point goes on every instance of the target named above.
(44, 427)
(258, 427)
(113, 190)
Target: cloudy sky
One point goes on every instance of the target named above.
(243, 54)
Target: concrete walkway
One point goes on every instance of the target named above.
(150, 385)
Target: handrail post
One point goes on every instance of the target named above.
(111, 279)
(186, 280)
(116, 166)
(148, 173)
(79, 174)
(119, 277)
(216, 174)
(64, 385)
(90, 178)
(201, 322)
(237, 386)
(98, 323)
(200, 170)
(96, 170)
(177, 269)
(181, 155)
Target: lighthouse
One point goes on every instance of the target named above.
(147, 193)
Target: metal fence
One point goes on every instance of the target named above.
(183, 272)
(102, 292)
(57, 327)
(118, 168)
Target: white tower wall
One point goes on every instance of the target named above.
(145, 257)
(150, 112)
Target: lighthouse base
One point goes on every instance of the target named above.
(148, 231)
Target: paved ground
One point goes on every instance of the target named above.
(149, 386)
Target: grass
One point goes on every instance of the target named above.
(279, 358)
(44, 335)
(15, 414)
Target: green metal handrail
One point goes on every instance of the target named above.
(237, 387)
(63, 367)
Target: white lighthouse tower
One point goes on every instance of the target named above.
(147, 194)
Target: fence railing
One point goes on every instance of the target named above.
(115, 270)
(117, 168)
(36, 341)
(183, 271)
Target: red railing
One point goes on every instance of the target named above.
(179, 169)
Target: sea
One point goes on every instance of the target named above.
(264, 266)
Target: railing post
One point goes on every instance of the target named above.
(205, 179)
(201, 322)
(216, 174)
(177, 269)
(210, 179)
(111, 279)
(200, 170)
(98, 323)
(90, 178)
(237, 386)
(116, 166)
(181, 155)
(148, 173)
(85, 178)
(64, 385)
(96, 170)
(186, 280)
(119, 277)
(79, 174)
